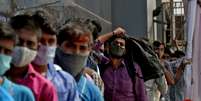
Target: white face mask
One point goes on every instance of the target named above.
(45, 55)
(23, 56)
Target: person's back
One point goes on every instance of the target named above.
(18, 92)
(64, 82)
(88, 91)
(4, 96)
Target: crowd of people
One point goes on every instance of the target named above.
(76, 63)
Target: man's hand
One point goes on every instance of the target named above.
(96, 78)
(119, 31)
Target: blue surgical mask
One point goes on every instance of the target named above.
(5, 61)
(72, 63)
(45, 55)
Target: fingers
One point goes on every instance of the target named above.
(119, 31)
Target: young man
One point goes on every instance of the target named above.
(75, 43)
(7, 43)
(22, 72)
(43, 63)
(118, 83)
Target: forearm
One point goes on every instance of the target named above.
(103, 38)
(169, 77)
(179, 73)
(118, 31)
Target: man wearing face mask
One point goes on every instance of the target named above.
(43, 63)
(119, 85)
(7, 43)
(22, 72)
(75, 42)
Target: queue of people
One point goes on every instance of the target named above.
(75, 63)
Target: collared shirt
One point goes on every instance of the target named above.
(155, 88)
(119, 85)
(88, 91)
(4, 95)
(63, 82)
(42, 88)
(18, 92)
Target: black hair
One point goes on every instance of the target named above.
(73, 30)
(6, 32)
(97, 28)
(25, 22)
(156, 44)
(179, 54)
(94, 26)
(42, 19)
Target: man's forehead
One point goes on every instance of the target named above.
(119, 40)
(7, 43)
(23, 30)
(82, 39)
(45, 35)
(27, 34)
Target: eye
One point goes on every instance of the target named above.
(8, 51)
(5, 51)
(83, 48)
(20, 42)
(122, 44)
(30, 44)
(42, 41)
(51, 41)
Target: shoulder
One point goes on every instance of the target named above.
(93, 89)
(138, 69)
(43, 83)
(5, 96)
(89, 90)
(22, 91)
(64, 76)
(65, 79)
(62, 80)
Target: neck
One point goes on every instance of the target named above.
(42, 69)
(17, 72)
(116, 62)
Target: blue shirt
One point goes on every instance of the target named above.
(63, 82)
(5, 96)
(88, 91)
(18, 92)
